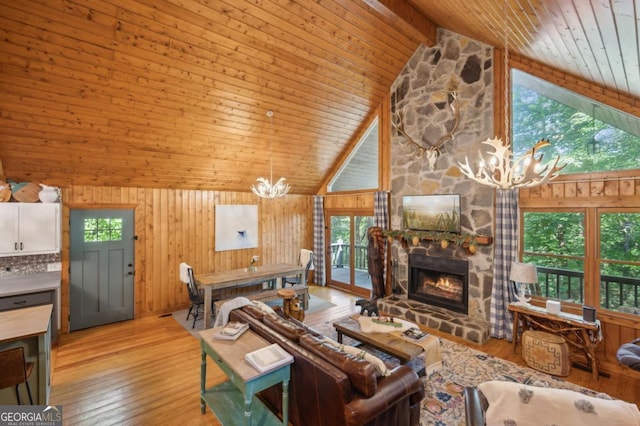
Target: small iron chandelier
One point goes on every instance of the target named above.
(265, 188)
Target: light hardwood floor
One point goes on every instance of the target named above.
(147, 371)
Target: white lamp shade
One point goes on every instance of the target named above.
(523, 273)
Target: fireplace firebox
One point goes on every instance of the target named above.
(439, 281)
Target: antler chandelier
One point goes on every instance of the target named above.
(496, 167)
(265, 188)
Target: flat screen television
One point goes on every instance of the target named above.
(440, 213)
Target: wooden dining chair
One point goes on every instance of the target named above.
(307, 267)
(14, 371)
(196, 297)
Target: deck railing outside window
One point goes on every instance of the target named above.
(340, 256)
(554, 283)
(568, 285)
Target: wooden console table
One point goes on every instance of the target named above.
(237, 395)
(237, 278)
(580, 334)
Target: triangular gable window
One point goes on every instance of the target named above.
(360, 170)
(588, 135)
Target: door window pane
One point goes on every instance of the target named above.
(361, 225)
(340, 243)
(349, 251)
(102, 230)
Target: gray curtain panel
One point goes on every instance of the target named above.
(318, 240)
(506, 246)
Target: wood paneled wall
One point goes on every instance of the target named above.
(176, 226)
(360, 201)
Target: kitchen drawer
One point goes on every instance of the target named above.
(25, 300)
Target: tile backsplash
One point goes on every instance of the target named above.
(23, 265)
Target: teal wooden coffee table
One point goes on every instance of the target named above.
(234, 401)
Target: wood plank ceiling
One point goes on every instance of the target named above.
(174, 93)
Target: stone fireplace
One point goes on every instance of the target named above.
(439, 281)
(442, 289)
(419, 94)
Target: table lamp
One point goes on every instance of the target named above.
(523, 274)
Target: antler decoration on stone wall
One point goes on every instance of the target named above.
(432, 152)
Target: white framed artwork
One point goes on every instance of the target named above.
(236, 227)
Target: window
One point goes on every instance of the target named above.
(559, 244)
(588, 135)
(348, 268)
(102, 230)
(619, 260)
(588, 251)
(554, 242)
(360, 170)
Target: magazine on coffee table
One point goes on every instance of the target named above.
(231, 331)
(414, 335)
(268, 358)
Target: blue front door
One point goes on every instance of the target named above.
(101, 267)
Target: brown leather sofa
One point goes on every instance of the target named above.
(329, 387)
(475, 406)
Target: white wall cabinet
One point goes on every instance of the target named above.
(29, 228)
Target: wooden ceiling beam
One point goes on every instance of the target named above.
(402, 13)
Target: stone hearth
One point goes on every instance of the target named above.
(472, 329)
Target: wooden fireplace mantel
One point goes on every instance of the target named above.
(407, 237)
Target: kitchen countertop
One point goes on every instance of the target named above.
(30, 283)
(22, 323)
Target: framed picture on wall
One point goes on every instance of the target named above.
(236, 227)
(438, 212)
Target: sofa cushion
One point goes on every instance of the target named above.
(361, 373)
(254, 311)
(381, 367)
(309, 329)
(284, 327)
(268, 310)
(515, 403)
(629, 355)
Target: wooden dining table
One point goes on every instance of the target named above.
(237, 278)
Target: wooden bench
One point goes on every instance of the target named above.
(302, 290)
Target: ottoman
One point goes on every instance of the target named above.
(546, 352)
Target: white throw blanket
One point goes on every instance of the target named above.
(222, 317)
(431, 345)
(184, 272)
(369, 325)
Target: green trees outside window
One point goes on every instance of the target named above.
(587, 254)
(620, 261)
(580, 129)
(102, 230)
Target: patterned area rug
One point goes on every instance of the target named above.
(443, 404)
